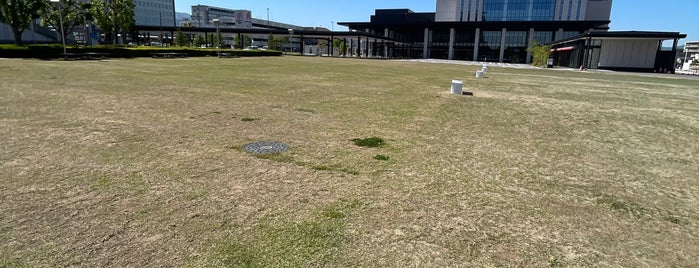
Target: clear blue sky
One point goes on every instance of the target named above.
(646, 15)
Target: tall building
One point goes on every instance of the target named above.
(154, 12)
(488, 30)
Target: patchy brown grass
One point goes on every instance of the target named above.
(139, 163)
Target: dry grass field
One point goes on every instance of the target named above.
(140, 163)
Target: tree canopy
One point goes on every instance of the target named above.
(19, 14)
(540, 53)
(181, 39)
(113, 17)
(73, 13)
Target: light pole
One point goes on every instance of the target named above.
(218, 37)
(291, 38)
(332, 25)
(60, 19)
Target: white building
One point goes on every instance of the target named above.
(203, 16)
(691, 51)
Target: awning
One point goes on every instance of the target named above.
(562, 49)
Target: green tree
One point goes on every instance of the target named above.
(18, 14)
(199, 41)
(215, 40)
(72, 12)
(114, 17)
(247, 41)
(320, 45)
(337, 43)
(181, 39)
(273, 43)
(540, 53)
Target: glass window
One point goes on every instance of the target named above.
(543, 37)
(519, 10)
(516, 39)
(569, 34)
(491, 39)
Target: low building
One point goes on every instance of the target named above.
(690, 54)
(620, 50)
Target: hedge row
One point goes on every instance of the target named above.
(56, 51)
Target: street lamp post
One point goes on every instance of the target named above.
(218, 37)
(291, 40)
(60, 19)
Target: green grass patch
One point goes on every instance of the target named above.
(372, 142)
(381, 157)
(622, 205)
(310, 243)
(280, 157)
(248, 119)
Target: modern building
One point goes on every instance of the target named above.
(639, 51)
(154, 12)
(488, 30)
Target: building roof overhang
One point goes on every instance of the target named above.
(275, 31)
(598, 35)
(483, 25)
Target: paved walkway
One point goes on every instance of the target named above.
(476, 63)
(527, 66)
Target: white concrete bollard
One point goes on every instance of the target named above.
(485, 68)
(457, 87)
(479, 74)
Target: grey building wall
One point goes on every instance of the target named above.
(28, 36)
(598, 10)
(628, 53)
(448, 10)
(154, 12)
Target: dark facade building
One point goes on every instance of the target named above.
(487, 30)
(638, 51)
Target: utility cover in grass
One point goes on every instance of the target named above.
(266, 147)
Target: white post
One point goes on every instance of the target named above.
(218, 38)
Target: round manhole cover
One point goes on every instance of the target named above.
(265, 147)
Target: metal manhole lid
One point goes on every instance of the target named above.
(265, 147)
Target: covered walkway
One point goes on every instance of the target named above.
(357, 44)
